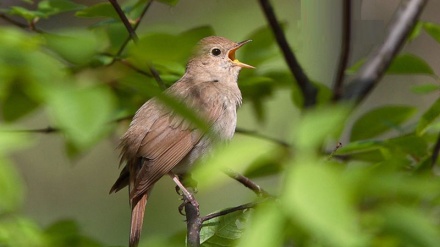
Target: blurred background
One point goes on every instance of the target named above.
(60, 188)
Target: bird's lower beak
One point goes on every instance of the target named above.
(231, 55)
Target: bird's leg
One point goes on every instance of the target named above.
(187, 196)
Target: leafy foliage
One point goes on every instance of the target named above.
(377, 190)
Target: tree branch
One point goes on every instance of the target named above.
(345, 50)
(124, 20)
(261, 136)
(247, 183)
(136, 25)
(308, 90)
(374, 68)
(31, 26)
(229, 210)
(193, 225)
(133, 36)
(435, 151)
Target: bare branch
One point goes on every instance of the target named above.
(374, 68)
(31, 26)
(229, 210)
(435, 151)
(135, 26)
(308, 90)
(345, 50)
(47, 130)
(124, 19)
(248, 183)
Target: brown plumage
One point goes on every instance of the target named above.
(160, 141)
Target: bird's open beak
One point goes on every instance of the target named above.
(231, 55)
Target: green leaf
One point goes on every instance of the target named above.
(261, 49)
(67, 232)
(237, 155)
(224, 230)
(266, 228)
(20, 232)
(413, 145)
(428, 118)
(433, 30)
(318, 125)
(316, 198)
(53, 7)
(99, 10)
(11, 189)
(75, 46)
(409, 64)
(27, 14)
(403, 64)
(416, 31)
(17, 104)
(411, 227)
(425, 88)
(380, 120)
(83, 114)
(169, 2)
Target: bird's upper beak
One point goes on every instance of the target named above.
(231, 55)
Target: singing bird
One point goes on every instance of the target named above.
(160, 141)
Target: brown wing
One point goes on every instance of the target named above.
(162, 149)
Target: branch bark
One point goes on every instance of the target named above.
(345, 50)
(374, 68)
(308, 90)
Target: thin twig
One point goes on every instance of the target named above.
(19, 24)
(133, 36)
(247, 183)
(229, 210)
(435, 151)
(374, 68)
(47, 130)
(308, 90)
(135, 26)
(124, 19)
(345, 50)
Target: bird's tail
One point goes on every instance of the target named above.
(137, 219)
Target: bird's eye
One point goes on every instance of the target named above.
(216, 51)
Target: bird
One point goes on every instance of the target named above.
(159, 141)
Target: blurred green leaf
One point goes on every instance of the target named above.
(17, 104)
(67, 233)
(266, 228)
(415, 31)
(224, 230)
(167, 51)
(27, 14)
(11, 189)
(402, 64)
(409, 64)
(413, 145)
(53, 7)
(16, 231)
(433, 30)
(428, 117)
(411, 227)
(83, 114)
(237, 155)
(380, 120)
(316, 197)
(75, 46)
(99, 10)
(169, 2)
(261, 49)
(319, 124)
(425, 88)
